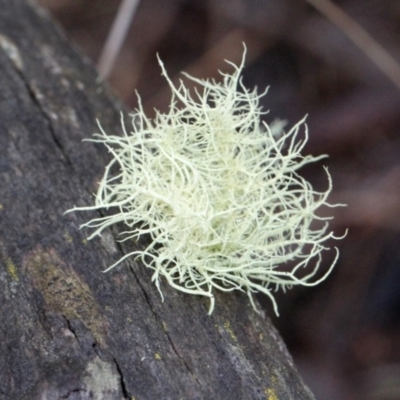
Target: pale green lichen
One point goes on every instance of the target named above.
(219, 193)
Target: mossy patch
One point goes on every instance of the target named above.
(271, 394)
(12, 270)
(228, 328)
(64, 291)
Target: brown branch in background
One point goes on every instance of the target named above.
(116, 36)
(361, 38)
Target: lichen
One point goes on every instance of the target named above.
(218, 191)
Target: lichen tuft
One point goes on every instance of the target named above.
(219, 193)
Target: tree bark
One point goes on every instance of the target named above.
(67, 330)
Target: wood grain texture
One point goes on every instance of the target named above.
(68, 331)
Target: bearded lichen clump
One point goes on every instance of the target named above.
(219, 193)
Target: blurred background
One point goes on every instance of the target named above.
(344, 334)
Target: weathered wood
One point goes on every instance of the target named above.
(68, 331)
